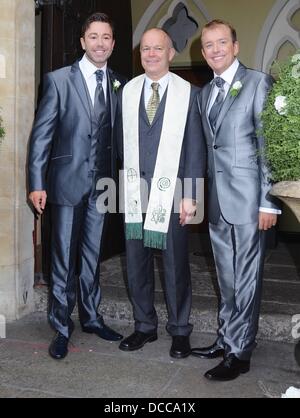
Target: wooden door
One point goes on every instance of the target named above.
(61, 27)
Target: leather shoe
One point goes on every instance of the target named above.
(230, 368)
(180, 346)
(103, 331)
(58, 348)
(137, 340)
(213, 351)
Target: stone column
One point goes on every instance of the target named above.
(17, 110)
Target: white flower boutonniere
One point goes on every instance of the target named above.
(235, 89)
(116, 84)
(280, 104)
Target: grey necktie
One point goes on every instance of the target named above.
(216, 107)
(153, 102)
(99, 99)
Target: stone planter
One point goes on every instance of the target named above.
(289, 193)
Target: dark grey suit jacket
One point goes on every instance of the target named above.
(60, 143)
(192, 163)
(238, 178)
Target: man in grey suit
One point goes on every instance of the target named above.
(240, 208)
(71, 148)
(163, 141)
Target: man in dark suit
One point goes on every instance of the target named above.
(71, 148)
(240, 208)
(162, 142)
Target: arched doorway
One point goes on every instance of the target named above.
(59, 26)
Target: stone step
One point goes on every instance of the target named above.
(280, 301)
(115, 305)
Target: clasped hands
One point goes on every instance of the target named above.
(187, 211)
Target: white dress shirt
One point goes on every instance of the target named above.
(163, 84)
(88, 71)
(227, 76)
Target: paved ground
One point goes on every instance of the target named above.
(96, 368)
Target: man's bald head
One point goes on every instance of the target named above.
(157, 52)
(160, 32)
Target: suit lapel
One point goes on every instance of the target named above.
(142, 107)
(239, 75)
(206, 97)
(78, 81)
(113, 96)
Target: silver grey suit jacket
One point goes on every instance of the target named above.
(60, 144)
(238, 178)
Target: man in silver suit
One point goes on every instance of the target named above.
(240, 208)
(71, 148)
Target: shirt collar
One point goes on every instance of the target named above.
(229, 74)
(163, 82)
(88, 68)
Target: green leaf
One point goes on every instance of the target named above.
(282, 132)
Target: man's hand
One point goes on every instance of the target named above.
(266, 220)
(38, 199)
(187, 211)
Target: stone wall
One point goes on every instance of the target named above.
(17, 110)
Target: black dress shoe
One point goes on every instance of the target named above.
(180, 346)
(213, 351)
(58, 348)
(230, 368)
(137, 340)
(103, 331)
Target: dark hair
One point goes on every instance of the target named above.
(97, 17)
(217, 22)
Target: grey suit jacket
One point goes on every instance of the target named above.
(238, 178)
(192, 163)
(60, 143)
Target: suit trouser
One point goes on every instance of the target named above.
(239, 256)
(177, 281)
(76, 239)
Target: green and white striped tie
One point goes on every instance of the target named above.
(153, 102)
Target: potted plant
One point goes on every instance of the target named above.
(281, 130)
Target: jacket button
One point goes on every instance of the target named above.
(216, 147)
(143, 173)
(89, 136)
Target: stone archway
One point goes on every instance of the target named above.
(277, 30)
(152, 10)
